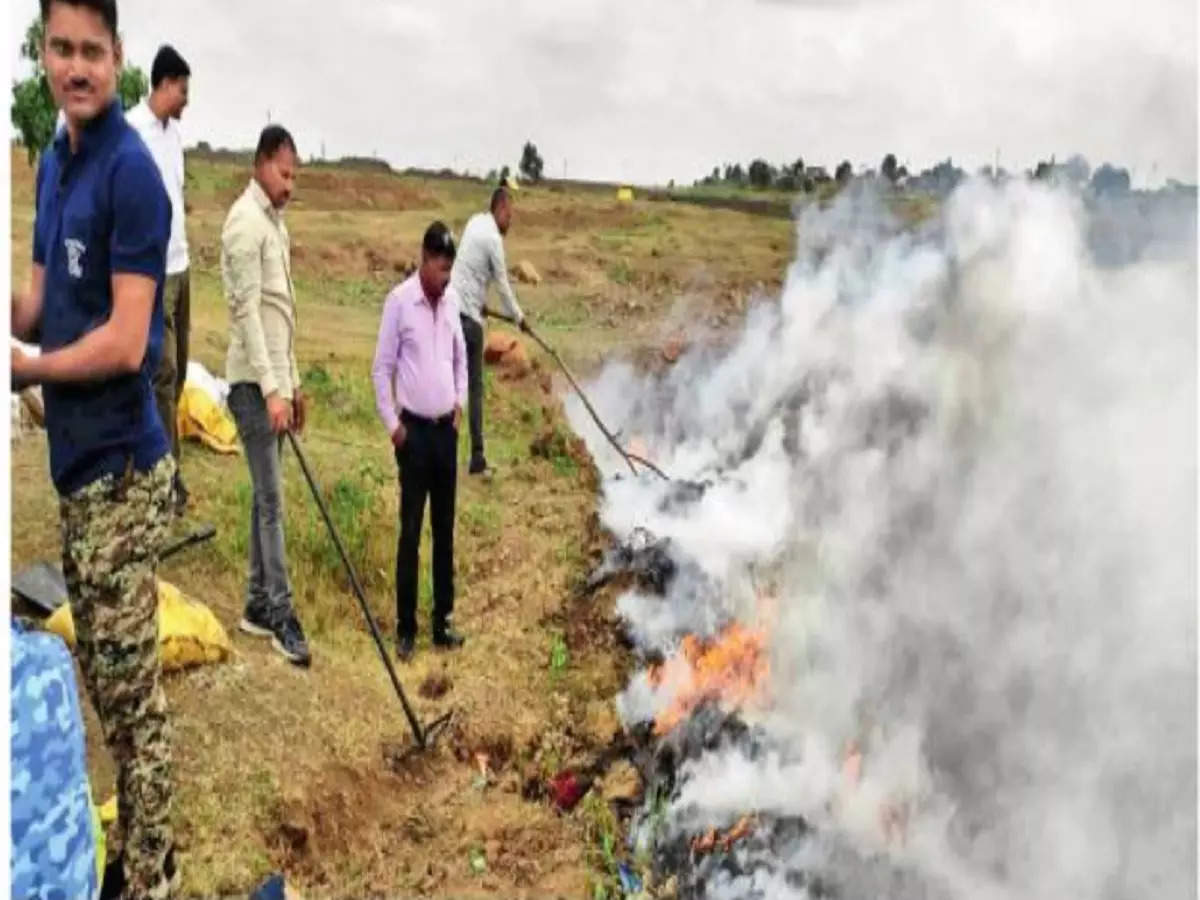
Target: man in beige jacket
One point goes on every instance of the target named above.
(265, 396)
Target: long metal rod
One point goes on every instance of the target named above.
(196, 537)
(418, 732)
(550, 351)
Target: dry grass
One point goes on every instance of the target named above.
(286, 770)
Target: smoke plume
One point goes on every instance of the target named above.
(951, 470)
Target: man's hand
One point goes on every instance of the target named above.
(299, 412)
(22, 375)
(457, 417)
(399, 436)
(524, 324)
(279, 413)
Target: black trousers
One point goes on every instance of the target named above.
(428, 464)
(473, 338)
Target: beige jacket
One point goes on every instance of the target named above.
(256, 270)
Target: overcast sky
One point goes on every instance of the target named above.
(650, 90)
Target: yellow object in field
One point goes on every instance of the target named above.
(188, 632)
(624, 195)
(200, 417)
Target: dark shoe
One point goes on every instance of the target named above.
(405, 646)
(290, 642)
(287, 637)
(448, 639)
(257, 621)
(479, 466)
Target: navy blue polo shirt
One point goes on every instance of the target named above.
(100, 211)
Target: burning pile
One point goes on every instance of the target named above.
(730, 670)
(967, 460)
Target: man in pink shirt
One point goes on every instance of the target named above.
(420, 376)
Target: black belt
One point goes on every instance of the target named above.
(411, 418)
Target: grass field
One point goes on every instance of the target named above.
(286, 770)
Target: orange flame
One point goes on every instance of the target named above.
(730, 669)
(713, 839)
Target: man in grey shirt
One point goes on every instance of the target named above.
(481, 261)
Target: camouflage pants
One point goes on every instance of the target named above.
(113, 530)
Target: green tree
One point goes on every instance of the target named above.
(761, 173)
(844, 172)
(888, 168)
(531, 162)
(132, 86)
(33, 111)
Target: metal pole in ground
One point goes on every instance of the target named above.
(419, 733)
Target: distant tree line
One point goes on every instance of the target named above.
(793, 176)
(941, 178)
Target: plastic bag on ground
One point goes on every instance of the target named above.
(188, 632)
(201, 418)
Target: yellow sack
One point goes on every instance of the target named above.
(188, 632)
(201, 418)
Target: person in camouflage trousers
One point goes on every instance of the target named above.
(112, 533)
(95, 305)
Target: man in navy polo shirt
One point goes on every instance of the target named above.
(95, 304)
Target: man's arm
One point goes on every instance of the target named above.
(117, 347)
(243, 289)
(383, 369)
(27, 308)
(141, 225)
(500, 273)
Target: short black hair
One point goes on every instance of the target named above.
(438, 241)
(106, 9)
(499, 195)
(168, 64)
(272, 138)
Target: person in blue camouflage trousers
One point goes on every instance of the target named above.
(95, 304)
(53, 846)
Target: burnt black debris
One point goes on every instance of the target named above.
(759, 862)
(762, 852)
(647, 558)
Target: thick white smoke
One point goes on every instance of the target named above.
(962, 461)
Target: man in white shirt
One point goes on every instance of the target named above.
(156, 120)
(480, 261)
